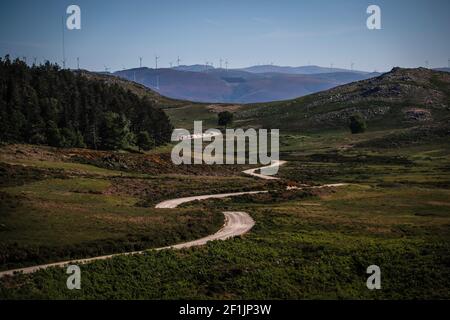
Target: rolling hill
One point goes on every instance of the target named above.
(443, 69)
(398, 99)
(296, 70)
(57, 107)
(136, 88)
(235, 86)
(193, 68)
(270, 68)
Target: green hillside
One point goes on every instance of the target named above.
(50, 106)
(399, 99)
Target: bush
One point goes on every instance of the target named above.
(357, 124)
(144, 141)
(225, 118)
(38, 138)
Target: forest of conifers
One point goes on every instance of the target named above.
(47, 105)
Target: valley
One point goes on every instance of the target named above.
(340, 203)
(225, 159)
(238, 86)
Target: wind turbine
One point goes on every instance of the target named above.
(140, 62)
(226, 65)
(351, 66)
(178, 61)
(156, 68)
(63, 44)
(78, 63)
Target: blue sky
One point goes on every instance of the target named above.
(246, 32)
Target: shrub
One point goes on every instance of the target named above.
(225, 118)
(144, 141)
(357, 124)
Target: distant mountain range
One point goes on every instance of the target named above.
(193, 68)
(269, 68)
(297, 70)
(442, 69)
(202, 83)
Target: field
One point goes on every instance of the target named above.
(184, 117)
(54, 209)
(394, 211)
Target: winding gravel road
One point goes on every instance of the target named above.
(236, 224)
(275, 163)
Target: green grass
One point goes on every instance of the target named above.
(295, 251)
(55, 219)
(314, 244)
(184, 117)
(53, 210)
(67, 166)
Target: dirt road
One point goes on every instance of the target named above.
(236, 224)
(275, 163)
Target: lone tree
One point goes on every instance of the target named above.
(357, 124)
(225, 118)
(144, 141)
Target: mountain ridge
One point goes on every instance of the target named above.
(234, 85)
(399, 98)
(308, 69)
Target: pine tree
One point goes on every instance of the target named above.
(54, 137)
(144, 141)
(45, 104)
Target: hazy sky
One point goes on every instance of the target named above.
(246, 32)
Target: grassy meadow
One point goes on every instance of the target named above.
(394, 211)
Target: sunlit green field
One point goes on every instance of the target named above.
(184, 117)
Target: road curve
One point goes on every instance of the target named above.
(252, 172)
(236, 224)
(169, 204)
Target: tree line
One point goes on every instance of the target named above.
(48, 105)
